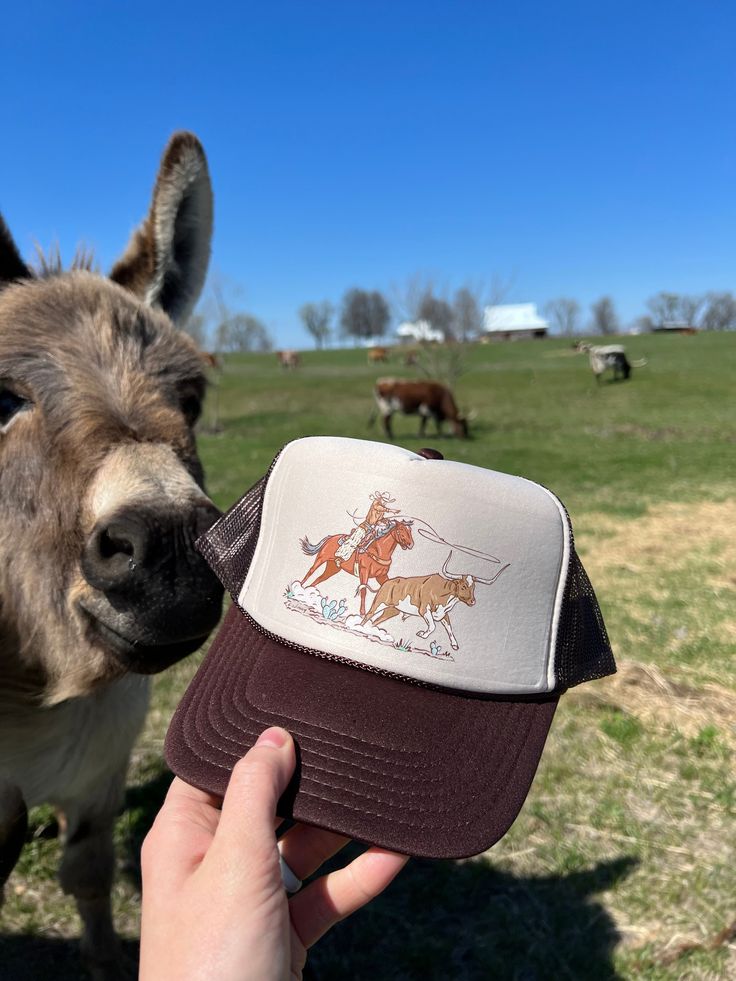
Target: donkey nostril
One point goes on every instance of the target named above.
(115, 550)
(110, 544)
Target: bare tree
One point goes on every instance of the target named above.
(438, 313)
(443, 362)
(672, 308)
(421, 298)
(720, 312)
(664, 308)
(217, 311)
(690, 308)
(468, 313)
(564, 312)
(316, 318)
(407, 298)
(605, 319)
(365, 314)
(224, 296)
(243, 332)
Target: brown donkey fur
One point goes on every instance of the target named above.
(101, 499)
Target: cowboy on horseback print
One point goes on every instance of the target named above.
(370, 526)
(367, 552)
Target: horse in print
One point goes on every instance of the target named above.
(372, 561)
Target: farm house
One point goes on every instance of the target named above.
(420, 331)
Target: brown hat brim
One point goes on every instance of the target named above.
(420, 771)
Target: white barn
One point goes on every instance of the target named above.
(513, 322)
(419, 330)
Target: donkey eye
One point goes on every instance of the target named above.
(10, 405)
(191, 406)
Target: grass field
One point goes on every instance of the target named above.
(623, 861)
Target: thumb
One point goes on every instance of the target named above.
(256, 783)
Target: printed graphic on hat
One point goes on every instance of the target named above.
(367, 551)
(367, 554)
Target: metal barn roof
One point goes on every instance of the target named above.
(513, 316)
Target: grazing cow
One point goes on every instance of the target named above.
(377, 355)
(609, 356)
(101, 500)
(430, 597)
(288, 359)
(428, 399)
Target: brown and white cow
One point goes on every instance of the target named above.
(427, 399)
(430, 597)
(101, 499)
(288, 359)
(377, 355)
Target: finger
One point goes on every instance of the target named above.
(186, 814)
(183, 793)
(181, 834)
(305, 849)
(330, 899)
(256, 783)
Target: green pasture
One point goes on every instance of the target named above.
(537, 411)
(622, 863)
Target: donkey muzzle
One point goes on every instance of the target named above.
(153, 598)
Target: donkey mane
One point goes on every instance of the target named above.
(50, 264)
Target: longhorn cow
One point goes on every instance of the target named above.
(611, 356)
(430, 597)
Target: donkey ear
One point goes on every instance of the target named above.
(166, 261)
(12, 266)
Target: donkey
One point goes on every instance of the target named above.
(101, 498)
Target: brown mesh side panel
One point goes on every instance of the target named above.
(228, 546)
(583, 649)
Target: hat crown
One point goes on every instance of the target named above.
(468, 577)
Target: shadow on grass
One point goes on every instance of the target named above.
(29, 958)
(449, 921)
(470, 922)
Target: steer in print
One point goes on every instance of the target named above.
(430, 597)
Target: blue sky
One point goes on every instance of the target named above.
(571, 148)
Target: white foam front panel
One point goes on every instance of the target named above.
(446, 628)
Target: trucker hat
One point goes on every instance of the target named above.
(412, 621)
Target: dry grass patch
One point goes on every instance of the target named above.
(668, 581)
(668, 537)
(645, 692)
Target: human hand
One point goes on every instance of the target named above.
(214, 905)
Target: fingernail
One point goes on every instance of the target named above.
(275, 736)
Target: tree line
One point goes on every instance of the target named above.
(366, 315)
(708, 311)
